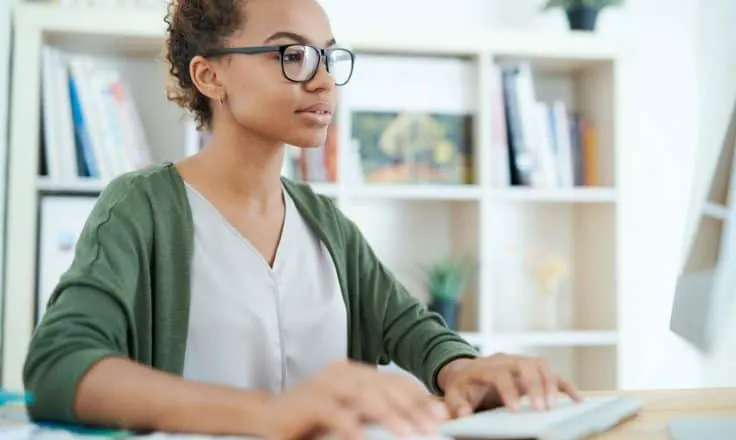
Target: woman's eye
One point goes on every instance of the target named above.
(292, 58)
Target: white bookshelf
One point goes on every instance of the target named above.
(407, 225)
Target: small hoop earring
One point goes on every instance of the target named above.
(220, 100)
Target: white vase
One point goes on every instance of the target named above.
(549, 307)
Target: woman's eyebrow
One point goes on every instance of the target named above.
(298, 38)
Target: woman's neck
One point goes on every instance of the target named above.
(244, 165)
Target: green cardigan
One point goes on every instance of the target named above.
(127, 293)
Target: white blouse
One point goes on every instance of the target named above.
(253, 326)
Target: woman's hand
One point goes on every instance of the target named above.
(347, 395)
(485, 383)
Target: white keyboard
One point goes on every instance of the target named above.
(567, 420)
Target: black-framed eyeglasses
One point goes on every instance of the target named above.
(300, 62)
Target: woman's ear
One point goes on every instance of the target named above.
(204, 76)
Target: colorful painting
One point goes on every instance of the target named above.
(414, 147)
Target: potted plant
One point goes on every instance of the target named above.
(446, 281)
(582, 14)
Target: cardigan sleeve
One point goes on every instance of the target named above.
(414, 338)
(89, 314)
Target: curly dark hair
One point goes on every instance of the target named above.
(193, 27)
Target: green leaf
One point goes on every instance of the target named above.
(447, 278)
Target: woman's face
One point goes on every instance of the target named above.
(257, 93)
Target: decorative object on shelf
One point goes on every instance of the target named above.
(550, 272)
(446, 281)
(582, 15)
(414, 147)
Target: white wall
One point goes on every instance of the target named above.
(663, 106)
(662, 115)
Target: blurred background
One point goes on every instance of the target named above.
(536, 174)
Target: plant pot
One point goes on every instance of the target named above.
(448, 309)
(582, 18)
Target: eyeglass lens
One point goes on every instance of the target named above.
(300, 63)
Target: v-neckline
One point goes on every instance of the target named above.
(278, 255)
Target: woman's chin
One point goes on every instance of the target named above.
(316, 140)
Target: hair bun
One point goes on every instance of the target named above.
(194, 26)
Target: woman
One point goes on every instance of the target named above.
(212, 296)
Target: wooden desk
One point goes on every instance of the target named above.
(651, 424)
(662, 406)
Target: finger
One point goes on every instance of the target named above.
(348, 376)
(569, 389)
(364, 389)
(341, 421)
(549, 384)
(507, 389)
(373, 406)
(422, 414)
(458, 403)
(530, 380)
(320, 416)
(351, 391)
(415, 405)
(436, 410)
(502, 380)
(390, 401)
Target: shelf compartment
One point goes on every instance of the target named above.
(408, 236)
(398, 134)
(560, 126)
(577, 241)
